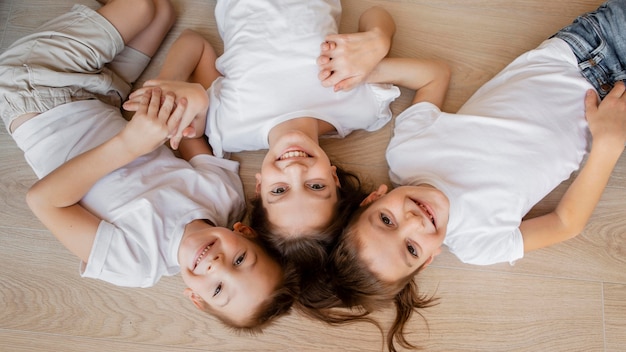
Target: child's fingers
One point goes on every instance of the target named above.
(323, 60)
(618, 89)
(176, 116)
(155, 102)
(347, 84)
(325, 71)
(177, 123)
(132, 104)
(176, 137)
(167, 106)
(333, 40)
(189, 132)
(148, 87)
(175, 142)
(135, 99)
(144, 102)
(152, 83)
(328, 45)
(139, 92)
(591, 102)
(339, 82)
(323, 75)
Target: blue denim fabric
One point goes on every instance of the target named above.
(598, 39)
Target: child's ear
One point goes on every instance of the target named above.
(335, 177)
(430, 260)
(381, 191)
(246, 231)
(195, 299)
(257, 188)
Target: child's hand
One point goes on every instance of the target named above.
(193, 120)
(607, 121)
(149, 127)
(346, 60)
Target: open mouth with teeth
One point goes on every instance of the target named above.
(426, 209)
(202, 254)
(293, 154)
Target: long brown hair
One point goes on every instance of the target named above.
(309, 251)
(356, 285)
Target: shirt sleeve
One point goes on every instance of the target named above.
(488, 249)
(230, 194)
(117, 260)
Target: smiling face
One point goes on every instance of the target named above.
(402, 230)
(231, 274)
(298, 185)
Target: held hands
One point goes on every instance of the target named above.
(191, 123)
(156, 115)
(346, 60)
(607, 120)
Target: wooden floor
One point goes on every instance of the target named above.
(570, 297)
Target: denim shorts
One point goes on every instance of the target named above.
(598, 39)
(76, 56)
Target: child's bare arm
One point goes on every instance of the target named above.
(55, 198)
(429, 78)
(191, 58)
(347, 59)
(607, 123)
(190, 147)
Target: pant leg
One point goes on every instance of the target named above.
(128, 65)
(598, 39)
(63, 61)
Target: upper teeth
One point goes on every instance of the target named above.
(432, 219)
(293, 154)
(206, 249)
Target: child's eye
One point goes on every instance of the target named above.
(278, 190)
(240, 259)
(217, 290)
(317, 186)
(386, 220)
(412, 250)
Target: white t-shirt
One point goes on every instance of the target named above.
(270, 75)
(514, 141)
(145, 205)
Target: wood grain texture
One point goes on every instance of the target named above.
(569, 297)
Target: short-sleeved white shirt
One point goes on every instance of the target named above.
(514, 141)
(145, 205)
(270, 75)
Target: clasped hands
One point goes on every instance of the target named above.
(181, 112)
(345, 61)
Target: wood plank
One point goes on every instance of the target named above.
(614, 316)
(510, 312)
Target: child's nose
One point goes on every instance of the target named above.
(296, 167)
(215, 262)
(416, 220)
